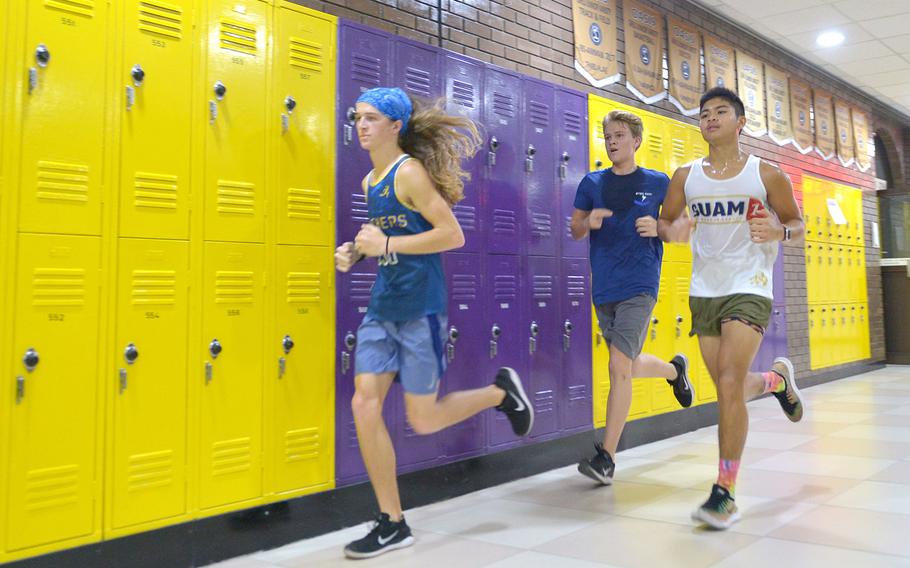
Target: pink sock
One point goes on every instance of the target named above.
(773, 382)
(726, 474)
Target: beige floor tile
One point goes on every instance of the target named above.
(857, 529)
(869, 432)
(531, 559)
(809, 426)
(837, 406)
(243, 562)
(583, 494)
(898, 420)
(900, 411)
(761, 553)
(836, 466)
(672, 474)
(876, 399)
(876, 496)
(776, 440)
(856, 447)
(837, 416)
(790, 486)
(644, 450)
(511, 523)
(897, 473)
(634, 543)
(335, 541)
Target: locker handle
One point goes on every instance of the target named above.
(567, 327)
(532, 345)
(566, 342)
(42, 55)
(287, 344)
(350, 114)
(453, 334)
(220, 90)
(138, 74)
(130, 97)
(130, 354)
(123, 382)
(495, 331)
(20, 388)
(32, 79)
(281, 367)
(450, 352)
(350, 341)
(535, 329)
(494, 348)
(345, 362)
(290, 103)
(30, 359)
(215, 348)
(208, 372)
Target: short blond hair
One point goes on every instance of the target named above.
(633, 121)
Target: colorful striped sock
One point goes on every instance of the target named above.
(773, 382)
(726, 474)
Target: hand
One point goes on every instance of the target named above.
(370, 241)
(596, 218)
(763, 228)
(345, 257)
(646, 226)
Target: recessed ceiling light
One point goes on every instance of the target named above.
(829, 39)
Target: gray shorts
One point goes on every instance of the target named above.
(624, 324)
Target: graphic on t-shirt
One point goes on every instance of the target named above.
(755, 207)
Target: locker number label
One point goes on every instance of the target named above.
(152, 315)
(56, 317)
(237, 60)
(158, 43)
(233, 313)
(68, 21)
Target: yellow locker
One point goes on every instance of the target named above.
(853, 348)
(828, 271)
(699, 147)
(865, 350)
(681, 145)
(840, 288)
(597, 110)
(811, 210)
(862, 286)
(814, 336)
(301, 112)
(154, 74)
(63, 117)
(601, 374)
(705, 390)
(148, 373)
(53, 436)
(234, 90)
(663, 335)
(231, 373)
(655, 144)
(812, 276)
(301, 371)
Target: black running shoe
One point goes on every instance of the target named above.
(600, 468)
(790, 399)
(384, 536)
(682, 388)
(719, 511)
(517, 407)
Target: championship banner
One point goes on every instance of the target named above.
(720, 64)
(800, 104)
(844, 132)
(685, 69)
(644, 51)
(594, 24)
(861, 138)
(824, 124)
(778, 94)
(752, 92)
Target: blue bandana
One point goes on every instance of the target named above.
(393, 103)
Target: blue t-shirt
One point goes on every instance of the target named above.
(623, 263)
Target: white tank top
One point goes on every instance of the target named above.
(724, 259)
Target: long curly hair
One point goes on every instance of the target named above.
(441, 141)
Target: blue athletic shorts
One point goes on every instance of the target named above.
(413, 349)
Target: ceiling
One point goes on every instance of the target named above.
(874, 57)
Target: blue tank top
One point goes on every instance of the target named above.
(408, 286)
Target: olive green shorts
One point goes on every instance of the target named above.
(709, 313)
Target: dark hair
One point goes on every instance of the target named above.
(727, 95)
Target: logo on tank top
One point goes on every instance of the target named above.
(759, 279)
(718, 211)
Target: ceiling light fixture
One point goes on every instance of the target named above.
(829, 39)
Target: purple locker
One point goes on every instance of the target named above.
(503, 199)
(543, 341)
(777, 279)
(463, 91)
(466, 346)
(575, 402)
(572, 152)
(774, 343)
(538, 152)
(504, 334)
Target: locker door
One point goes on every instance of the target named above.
(814, 336)
(862, 294)
(505, 333)
(63, 115)
(854, 347)
(681, 149)
(705, 391)
(600, 373)
(863, 331)
(655, 146)
(234, 89)
(53, 431)
(543, 339)
(149, 361)
(541, 218)
(467, 344)
(300, 114)
(572, 150)
(417, 69)
(155, 71)
(230, 368)
(364, 63)
(6, 85)
(575, 379)
(504, 196)
(463, 91)
(670, 335)
(300, 369)
(597, 151)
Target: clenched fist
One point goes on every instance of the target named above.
(370, 241)
(763, 228)
(346, 256)
(646, 226)
(596, 218)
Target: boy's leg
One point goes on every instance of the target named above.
(428, 415)
(619, 400)
(375, 442)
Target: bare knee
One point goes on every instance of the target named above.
(366, 406)
(422, 424)
(621, 372)
(729, 386)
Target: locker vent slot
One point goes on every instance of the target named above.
(154, 288)
(233, 287)
(679, 148)
(463, 93)
(236, 197)
(572, 122)
(366, 69)
(231, 456)
(59, 181)
(543, 286)
(306, 54)
(467, 217)
(304, 203)
(540, 113)
(578, 392)
(304, 287)
(300, 445)
(655, 144)
(58, 287)
(237, 36)
(544, 401)
(51, 488)
(417, 81)
(162, 19)
(361, 286)
(464, 287)
(359, 211)
(575, 286)
(504, 104)
(543, 224)
(158, 191)
(504, 222)
(148, 471)
(353, 442)
(78, 7)
(505, 287)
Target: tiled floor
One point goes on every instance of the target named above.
(833, 490)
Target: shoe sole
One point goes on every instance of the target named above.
(716, 524)
(792, 383)
(585, 469)
(516, 382)
(686, 374)
(404, 543)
